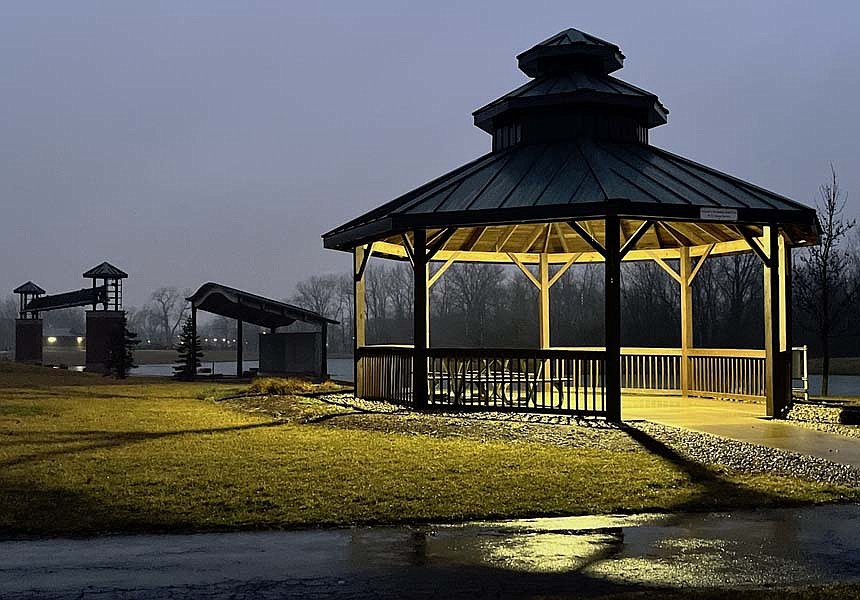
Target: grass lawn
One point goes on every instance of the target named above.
(83, 455)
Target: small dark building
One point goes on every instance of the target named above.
(285, 348)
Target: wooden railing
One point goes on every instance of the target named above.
(559, 380)
(656, 370)
(727, 373)
(528, 380)
(385, 373)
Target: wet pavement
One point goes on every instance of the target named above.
(580, 556)
(742, 421)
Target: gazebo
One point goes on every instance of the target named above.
(572, 179)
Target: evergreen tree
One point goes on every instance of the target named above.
(190, 356)
(120, 360)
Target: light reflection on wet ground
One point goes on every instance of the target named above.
(588, 555)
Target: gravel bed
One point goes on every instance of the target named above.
(559, 430)
(749, 458)
(821, 418)
(702, 448)
(814, 413)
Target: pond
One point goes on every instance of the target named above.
(338, 368)
(840, 385)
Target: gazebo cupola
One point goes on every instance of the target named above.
(571, 179)
(571, 94)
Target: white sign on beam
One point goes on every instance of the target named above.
(718, 214)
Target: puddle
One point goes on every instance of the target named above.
(587, 554)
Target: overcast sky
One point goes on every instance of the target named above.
(196, 141)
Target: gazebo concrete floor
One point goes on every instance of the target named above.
(741, 421)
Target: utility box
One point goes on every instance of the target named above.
(293, 353)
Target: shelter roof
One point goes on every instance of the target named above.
(105, 271)
(251, 308)
(28, 288)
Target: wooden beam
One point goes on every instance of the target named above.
(634, 239)
(588, 238)
(359, 320)
(777, 387)
(194, 359)
(679, 237)
(421, 322)
(700, 263)
(240, 350)
(563, 269)
(543, 312)
(533, 238)
(756, 247)
(686, 321)
(612, 319)
(367, 251)
(444, 267)
(706, 231)
(507, 236)
(665, 266)
(395, 250)
(439, 242)
(784, 293)
(524, 269)
(560, 234)
(410, 250)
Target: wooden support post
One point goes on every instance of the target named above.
(686, 319)
(543, 294)
(785, 267)
(612, 318)
(240, 350)
(359, 319)
(193, 340)
(543, 316)
(775, 391)
(785, 320)
(421, 320)
(324, 352)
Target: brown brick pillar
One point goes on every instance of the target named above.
(28, 341)
(102, 325)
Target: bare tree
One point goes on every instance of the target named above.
(8, 314)
(169, 305)
(825, 278)
(319, 294)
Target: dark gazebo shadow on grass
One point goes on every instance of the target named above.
(718, 493)
(99, 440)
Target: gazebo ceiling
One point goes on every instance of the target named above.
(572, 145)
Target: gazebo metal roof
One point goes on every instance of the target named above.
(526, 186)
(572, 145)
(567, 88)
(251, 308)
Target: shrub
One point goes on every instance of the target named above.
(276, 386)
